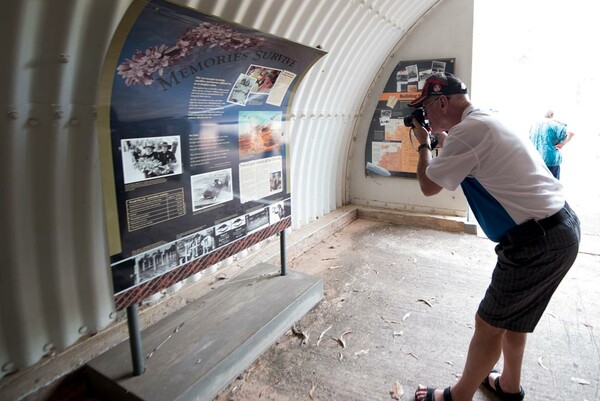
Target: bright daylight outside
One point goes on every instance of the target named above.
(533, 56)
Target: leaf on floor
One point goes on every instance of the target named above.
(264, 391)
(398, 333)
(541, 362)
(449, 363)
(341, 358)
(426, 302)
(589, 326)
(322, 334)
(413, 355)
(340, 340)
(397, 391)
(361, 352)
(580, 381)
(311, 393)
(406, 316)
(335, 267)
(301, 334)
(390, 321)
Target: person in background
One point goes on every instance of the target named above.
(521, 207)
(549, 136)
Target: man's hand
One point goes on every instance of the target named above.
(421, 134)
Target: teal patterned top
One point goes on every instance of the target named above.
(545, 135)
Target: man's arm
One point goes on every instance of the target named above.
(428, 187)
(567, 139)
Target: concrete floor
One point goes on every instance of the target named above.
(406, 298)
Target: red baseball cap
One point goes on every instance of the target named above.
(440, 83)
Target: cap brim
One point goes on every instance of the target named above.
(418, 101)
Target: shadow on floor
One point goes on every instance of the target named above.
(403, 301)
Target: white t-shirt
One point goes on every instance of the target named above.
(504, 178)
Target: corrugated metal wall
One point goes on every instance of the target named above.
(54, 280)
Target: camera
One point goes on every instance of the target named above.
(419, 115)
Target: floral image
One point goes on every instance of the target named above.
(143, 64)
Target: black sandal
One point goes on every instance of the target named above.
(430, 391)
(498, 390)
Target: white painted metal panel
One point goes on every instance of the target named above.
(55, 284)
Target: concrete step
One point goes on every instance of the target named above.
(195, 352)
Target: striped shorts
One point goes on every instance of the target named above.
(531, 264)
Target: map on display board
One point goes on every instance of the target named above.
(389, 150)
(194, 144)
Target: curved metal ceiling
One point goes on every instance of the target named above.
(55, 284)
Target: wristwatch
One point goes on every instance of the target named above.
(423, 145)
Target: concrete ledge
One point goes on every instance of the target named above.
(434, 222)
(195, 352)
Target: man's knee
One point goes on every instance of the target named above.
(483, 326)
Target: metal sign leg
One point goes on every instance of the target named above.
(135, 340)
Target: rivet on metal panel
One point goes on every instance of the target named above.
(63, 58)
(48, 347)
(33, 122)
(58, 113)
(83, 330)
(8, 367)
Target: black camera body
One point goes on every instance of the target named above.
(419, 115)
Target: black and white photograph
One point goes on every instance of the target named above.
(210, 189)
(258, 219)
(275, 181)
(412, 72)
(148, 158)
(189, 248)
(401, 80)
(385, 117)
(276, 212)
(195, 245)
(438, 66)
(241, 89)
(156, 262)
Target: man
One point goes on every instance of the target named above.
(549, 136)
(165, 156)
(518, 204)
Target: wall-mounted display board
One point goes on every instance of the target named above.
(389, 150)
(193, 142)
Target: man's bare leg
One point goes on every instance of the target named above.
(484, 352)
(513, 348)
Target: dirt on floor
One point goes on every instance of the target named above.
(398, 310)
